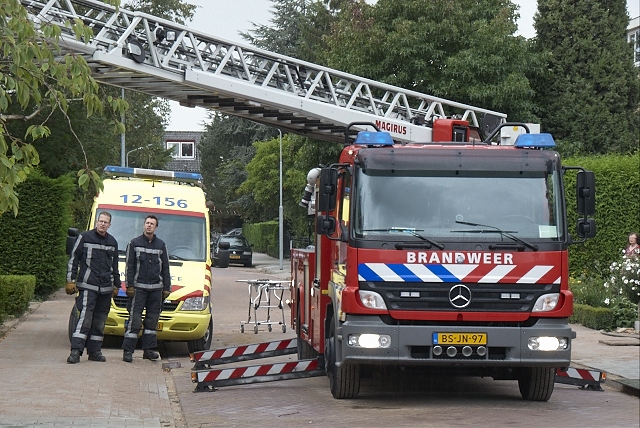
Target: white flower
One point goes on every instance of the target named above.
(606, 301)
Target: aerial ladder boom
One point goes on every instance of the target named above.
(140, 52)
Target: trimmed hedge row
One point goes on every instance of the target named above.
(16, 291)
(34, 242)
(617, 211)
(263, 237)
(594, 318)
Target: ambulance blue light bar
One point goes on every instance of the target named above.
(184, 177)
(369, 138)
(534, 141)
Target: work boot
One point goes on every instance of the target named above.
(127, 356)
(150, 355)
(97, 356)
(74, 357)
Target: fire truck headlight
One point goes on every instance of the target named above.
(546, 302)
(195, 304)
(370, 340)
(372, 300)
(548, 343)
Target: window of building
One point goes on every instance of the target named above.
(182, 149)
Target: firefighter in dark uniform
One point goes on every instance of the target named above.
(148, 285)
(93, 274)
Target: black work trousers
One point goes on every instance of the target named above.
(89, 331)
(151, 301)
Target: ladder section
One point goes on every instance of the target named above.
(140, 52)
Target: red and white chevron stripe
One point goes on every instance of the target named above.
(239, 351)
(253, 371)
(582, 374)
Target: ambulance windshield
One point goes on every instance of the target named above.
(184, 235)
(525, 204)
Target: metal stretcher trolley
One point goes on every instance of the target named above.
(266, 294)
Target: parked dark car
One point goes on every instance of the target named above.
(234, 232)
(239, 250)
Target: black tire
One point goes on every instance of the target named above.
(305, 350)
(204, 343)
(344, 381)
(73, 320)
(536, 383)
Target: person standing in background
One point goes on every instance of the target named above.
(92, 272)
(148, 284)
(632, 248)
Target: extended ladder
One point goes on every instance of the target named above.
(140, 52)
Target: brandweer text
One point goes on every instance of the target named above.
(450, 257)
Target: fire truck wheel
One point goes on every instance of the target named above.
(536, 383)
(73, 320)
(344, 381)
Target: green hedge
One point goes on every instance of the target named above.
(34, 242)
(595, 318)
(263, 237)
(16, 291)
(617, 211)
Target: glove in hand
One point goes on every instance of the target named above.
(71, 288)
(131, 291)
(114, 293)
(165, 294)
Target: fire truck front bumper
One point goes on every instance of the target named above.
(368, 340)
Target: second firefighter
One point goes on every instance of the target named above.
(148, 285)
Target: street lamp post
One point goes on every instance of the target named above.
(280, 219)
(133, 150)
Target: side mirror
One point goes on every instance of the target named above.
(586, 228)
(327, 190)
(586, 192)
(72, 235)
(325, 225)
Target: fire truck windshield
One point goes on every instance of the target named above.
(524, 204)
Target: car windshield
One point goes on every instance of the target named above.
(184, 235)
(234, 241)
(525, 204)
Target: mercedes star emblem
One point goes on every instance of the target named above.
(459, 296)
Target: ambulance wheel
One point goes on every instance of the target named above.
(73, 320)
(204, 343)
(536, 383)
(344, 381)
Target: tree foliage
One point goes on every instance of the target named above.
(35, 77)
(589, 97)
(465, 50)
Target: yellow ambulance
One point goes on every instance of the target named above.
(129, 195)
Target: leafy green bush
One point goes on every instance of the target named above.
(16, 291)
(625, 312)
(624, 279)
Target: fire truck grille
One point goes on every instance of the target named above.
(121, 302)
(405, 296)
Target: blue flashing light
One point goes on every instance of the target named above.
(535, 141)
(121, 171)
(368, 138)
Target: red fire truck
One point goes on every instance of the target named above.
(448, 255)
